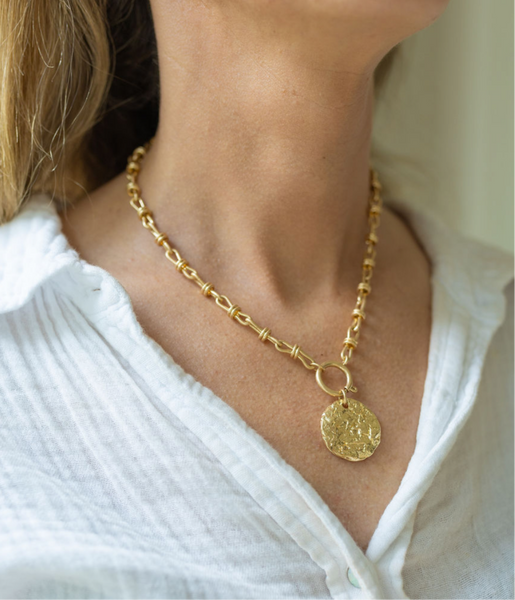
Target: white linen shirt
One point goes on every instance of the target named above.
(121, 476)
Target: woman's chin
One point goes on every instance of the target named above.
(396, 19)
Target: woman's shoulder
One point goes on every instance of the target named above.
(46, 289)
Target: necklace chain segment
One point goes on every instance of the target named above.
(349, 429)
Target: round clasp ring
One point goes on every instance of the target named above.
(328, 390)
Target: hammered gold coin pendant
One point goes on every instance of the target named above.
(351, 433)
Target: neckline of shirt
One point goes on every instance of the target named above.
(38, 251)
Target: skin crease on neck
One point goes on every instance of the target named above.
(259, 175)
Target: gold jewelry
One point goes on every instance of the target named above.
(349, 429)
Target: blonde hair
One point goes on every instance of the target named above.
(79, 90)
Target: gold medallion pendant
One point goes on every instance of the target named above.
(350, 430)
(352, 433)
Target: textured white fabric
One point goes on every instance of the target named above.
(121, 476)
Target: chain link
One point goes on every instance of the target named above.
(364, 288)
(233, 310)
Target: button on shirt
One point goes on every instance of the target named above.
(121, 476)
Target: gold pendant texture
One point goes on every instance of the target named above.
(352, 433)
(349, 429)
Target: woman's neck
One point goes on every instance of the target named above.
(260, 167)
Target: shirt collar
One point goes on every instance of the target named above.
(474, 273)
(32, 250)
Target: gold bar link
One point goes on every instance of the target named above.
(133, 167)
(144, 212)
(233, 311)
(133, 188)
(207, 288)
(181, 264)
(162, 237)
(372, 238)
(139, 153)
(264, 334)
(295, 351)
(352, 342)
(358, 313)
(364, 287)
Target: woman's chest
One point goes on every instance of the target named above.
(281, 401)
(288, 420)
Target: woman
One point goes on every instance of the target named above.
(152, 448)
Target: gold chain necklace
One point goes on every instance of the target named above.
(349, 429)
